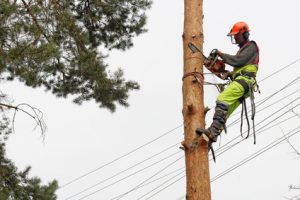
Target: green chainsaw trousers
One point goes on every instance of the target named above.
(233, 93)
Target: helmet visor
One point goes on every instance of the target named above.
(233, 32)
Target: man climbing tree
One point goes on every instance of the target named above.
(245, 64)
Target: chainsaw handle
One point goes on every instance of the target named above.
(214, 53)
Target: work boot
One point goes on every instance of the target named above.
(208, 135)
(218, 124)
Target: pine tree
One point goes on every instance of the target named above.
(15, 184)
(57, 45)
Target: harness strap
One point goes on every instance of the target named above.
(244, 108)
(247, 87)
(245, 73)
(253, 110)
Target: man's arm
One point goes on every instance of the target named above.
(242, 59)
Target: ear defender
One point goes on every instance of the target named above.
(245, 32)
(246, 35)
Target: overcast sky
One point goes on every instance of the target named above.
(83, 138)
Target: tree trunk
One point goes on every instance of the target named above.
(197, 166)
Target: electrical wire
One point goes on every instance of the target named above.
(181, 169)
(268, 117)
(284, 97)
(261, 151)
(170, 179)
(294, 81)
(285, 67)
(263, 130)
(120, 157)
(121, 179)
(166, 187)
(143, 182)
(127, 169)
(254, 155)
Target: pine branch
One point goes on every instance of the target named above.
(35, 114)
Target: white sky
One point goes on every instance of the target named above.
(83, 138)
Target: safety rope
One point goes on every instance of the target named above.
(200, 79)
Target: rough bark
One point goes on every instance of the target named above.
(197, 165)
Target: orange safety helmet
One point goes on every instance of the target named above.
(239, 27)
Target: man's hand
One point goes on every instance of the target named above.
(226, 75)
(219, 53)
(216, 52)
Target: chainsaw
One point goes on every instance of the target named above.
(212, 62)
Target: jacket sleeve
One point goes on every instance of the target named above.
(243, 58)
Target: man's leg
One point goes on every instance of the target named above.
(227, 102)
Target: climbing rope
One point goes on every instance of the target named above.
(199, 77)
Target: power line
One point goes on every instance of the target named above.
(268, 117)
(167, 186)
(286, 86)
(294, 81)
(131, 167)
(292, 63)
(272, 74)
(170, 179)
(118, 158)
(263, 130)
(121, 179)
(261, 151)
(252, 156)
(181, 169)
(122, 195)
(146, 180)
